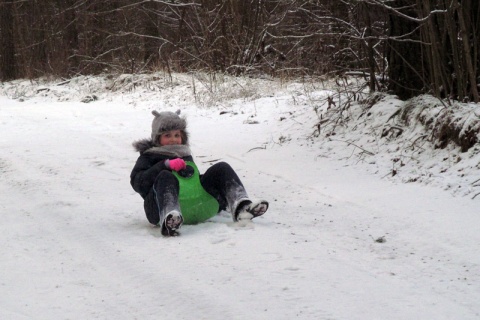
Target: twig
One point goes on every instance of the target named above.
(63, 82)
(418, 138)
(387, 175)
(210, 161)
(261, 148)
(475, 181)
(351, 143)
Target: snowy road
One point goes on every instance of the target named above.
(76, 244)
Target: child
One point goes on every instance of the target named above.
(167, 151)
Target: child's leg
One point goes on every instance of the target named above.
(221, 181)
(161, 204)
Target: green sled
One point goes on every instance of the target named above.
(196, 204)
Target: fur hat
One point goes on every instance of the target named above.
(167, 121)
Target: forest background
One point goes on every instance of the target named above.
(404, 47)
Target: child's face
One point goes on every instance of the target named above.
(170, 138)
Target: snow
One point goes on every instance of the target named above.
(343, 238)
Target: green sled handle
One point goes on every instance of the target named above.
(196, 204)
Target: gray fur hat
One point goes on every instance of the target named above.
(167, 121)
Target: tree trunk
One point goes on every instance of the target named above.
(369, 45)
(404, 57)
(465, 35)
(70, 34)
(7, 47)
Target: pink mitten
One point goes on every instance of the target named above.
(176, 164)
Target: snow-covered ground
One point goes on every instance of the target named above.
(343, 238)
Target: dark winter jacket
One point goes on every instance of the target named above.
(152, 161)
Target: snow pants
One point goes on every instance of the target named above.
(220, 180)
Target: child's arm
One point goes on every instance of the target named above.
(144, 174)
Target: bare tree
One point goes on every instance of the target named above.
(422, 45)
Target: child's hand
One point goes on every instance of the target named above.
(176, 164)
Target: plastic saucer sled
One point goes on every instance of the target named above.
(197, 205)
